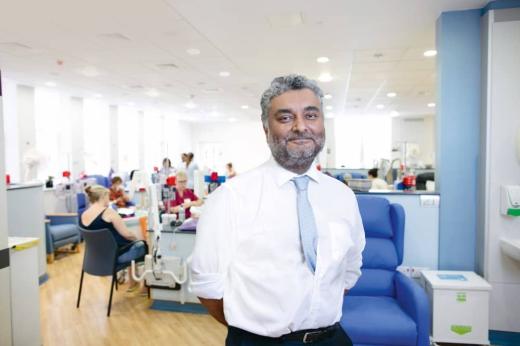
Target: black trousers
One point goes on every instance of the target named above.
(239, 337)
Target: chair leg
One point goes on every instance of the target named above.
(50, 258)
(80, 287)
(117, 285)
(111, 292)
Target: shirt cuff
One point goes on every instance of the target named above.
(209, 286)
(351, 279)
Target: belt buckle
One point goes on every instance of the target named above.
(308, 337)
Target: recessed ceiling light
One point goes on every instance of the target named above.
(50, 84)
(431, 104)
(190, 105)
(322, 59)
(90, 71)
(392, 94)
(329, 108)
(232, 120)
(131, 104)
(380, 106)
(152, 93)
(430, 53)
(394, 114)
(193, 51)
(325, 77)
(328, 96)
(98, 96)
(224, 74)
(214, 114)
(244, 106)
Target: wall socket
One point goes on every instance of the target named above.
(412, 272)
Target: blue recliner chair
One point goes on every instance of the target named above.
(61, 229)
(385, 307)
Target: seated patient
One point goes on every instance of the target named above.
(117, 193)
(184, 196)
(99, 216)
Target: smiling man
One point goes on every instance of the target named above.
(279, 246)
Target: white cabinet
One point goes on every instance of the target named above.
(460, 306)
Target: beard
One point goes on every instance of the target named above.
(297, 159)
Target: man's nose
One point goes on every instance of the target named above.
(299, 124)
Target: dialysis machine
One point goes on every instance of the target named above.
(166, 267)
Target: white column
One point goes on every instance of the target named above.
(78, 145)
(140, 121)
(114, 137)
(5, 278)
(26, 123)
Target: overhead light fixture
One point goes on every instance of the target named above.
(322, 59)
(98, 96)
(244, 106)
(152, 93)
(214, 114)
(329, 108)
(90, 71)
(193, 51)
(232, 120)
(430, 53)
(50, 84)
(190, 105)
(394, 114)
(327, 96)
(131, 104)
(391, 94)
(380, 106)
(431, 105)
(325, 77)
(224, 74)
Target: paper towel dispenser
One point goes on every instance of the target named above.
(510, 200)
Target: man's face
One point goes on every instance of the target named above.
(295, 131)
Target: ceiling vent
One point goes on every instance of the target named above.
(168, 66)
(114, 36)
(14, 46)
(285, 20)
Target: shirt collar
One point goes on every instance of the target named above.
(282, 175)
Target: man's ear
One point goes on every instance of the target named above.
(266, 131)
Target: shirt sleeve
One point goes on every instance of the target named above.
(214, 245)
(354, 255)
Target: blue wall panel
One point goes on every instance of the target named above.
(458, 132)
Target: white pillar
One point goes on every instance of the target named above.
(140, 121)
(26, 123)
(78, 145)
(5, 277)
(114, 137)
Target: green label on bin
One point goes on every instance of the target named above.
(461, 297)
(461, 330)
(513, 212)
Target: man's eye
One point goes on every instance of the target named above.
(311, 115)
(284, 118)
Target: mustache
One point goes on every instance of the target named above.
(297, 137)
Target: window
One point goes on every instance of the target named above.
(128, 135)
(96, 127)
(362, 140)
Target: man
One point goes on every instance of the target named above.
(377, 183)
(277, 247)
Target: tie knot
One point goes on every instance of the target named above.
(301, 182)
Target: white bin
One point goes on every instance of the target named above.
(460, 306)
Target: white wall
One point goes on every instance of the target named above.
(26, 121)
(501, 166)
(242, 143)
(12, 162)
(5, 278)
(420, 130)
(77, 145)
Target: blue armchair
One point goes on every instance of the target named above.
(385, 307)
(60, 230)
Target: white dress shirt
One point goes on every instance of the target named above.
(248, 251)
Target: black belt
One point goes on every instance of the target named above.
(307, 336)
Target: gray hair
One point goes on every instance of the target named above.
(282, 84)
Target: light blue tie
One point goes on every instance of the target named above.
(308, 231)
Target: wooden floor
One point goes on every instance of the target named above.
(131, 321)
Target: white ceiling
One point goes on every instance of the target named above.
(128, 47)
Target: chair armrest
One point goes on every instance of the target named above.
(49, 246)
(413, 300)
(62, 218)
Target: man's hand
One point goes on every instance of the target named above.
(215, 308)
